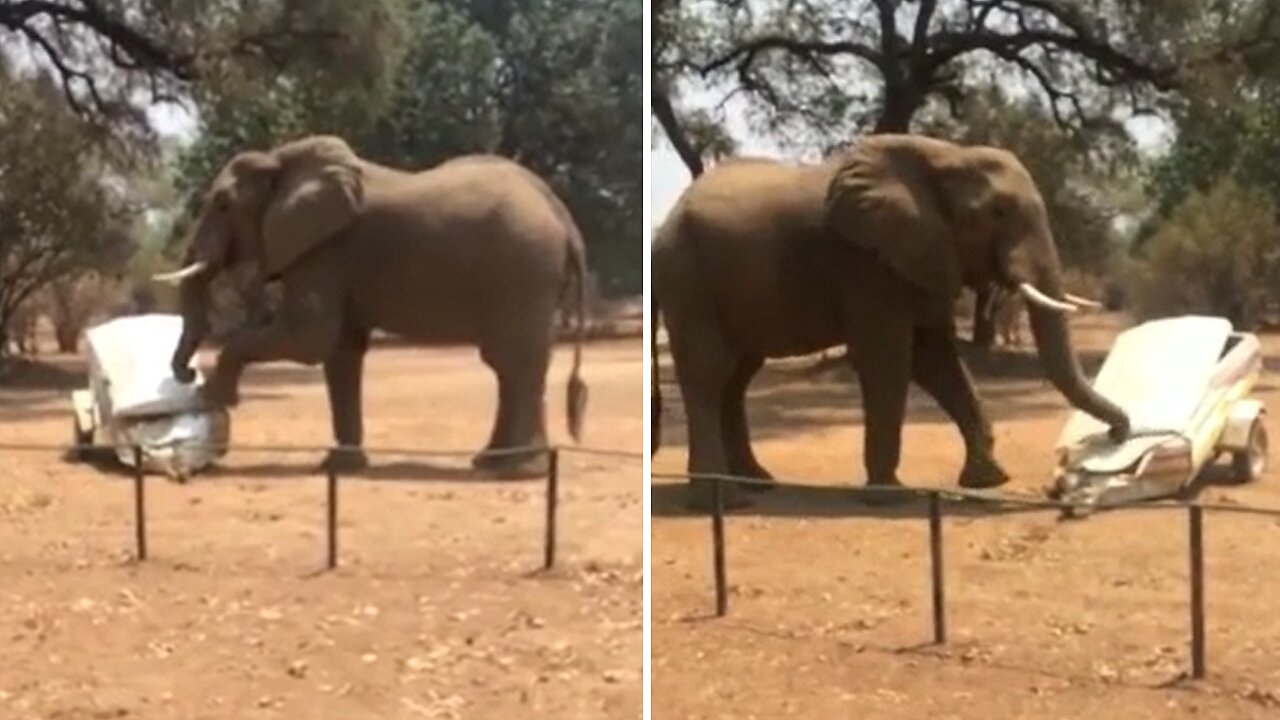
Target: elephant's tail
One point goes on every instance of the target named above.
(576, 400)
(655, 381)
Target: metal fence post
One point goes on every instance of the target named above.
(717, 536)
(936, 568)
(1195, 517)
(553, 498)
(333, 517)
(139, 504)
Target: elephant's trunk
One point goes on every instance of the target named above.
(1053, 341)
(194, 303)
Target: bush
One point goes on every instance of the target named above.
(1218, 253)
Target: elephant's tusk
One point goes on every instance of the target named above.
(1082, 302)
(178, 276)
(1033, 294)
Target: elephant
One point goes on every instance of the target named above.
(476, 251)
(869, 249)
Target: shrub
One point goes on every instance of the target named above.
(1218, 253)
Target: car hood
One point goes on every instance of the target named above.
(1158, 372)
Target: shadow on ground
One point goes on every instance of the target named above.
(668, 499)
(809, 501)
(403, 471)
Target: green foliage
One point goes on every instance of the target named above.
(1238, 138)
(554, 85)
(60, 211)
(1216, 254)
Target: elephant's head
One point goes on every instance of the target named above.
(268, 208)
(944, 216)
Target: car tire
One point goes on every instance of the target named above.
(1250, 464)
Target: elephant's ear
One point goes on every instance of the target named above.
(320, 190)
(885, 198)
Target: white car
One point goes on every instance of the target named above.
(1185, 383)
(134, 401)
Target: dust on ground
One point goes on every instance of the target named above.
(438, 609)
(830, 607)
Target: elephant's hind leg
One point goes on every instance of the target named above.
(733, 417)
(705, 366)
(937, 368)
(521, 368)
(343, 374)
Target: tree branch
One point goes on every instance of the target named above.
(666, 115)
(144, 51)
(745, 53)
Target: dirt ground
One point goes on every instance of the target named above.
(829, 606)
(438, 609)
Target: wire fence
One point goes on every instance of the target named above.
(935, 496)
(333, 476)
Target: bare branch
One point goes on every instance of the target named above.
(744, 54)
(666, 115)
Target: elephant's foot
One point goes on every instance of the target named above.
(764, 480)
(344, 461)
(699, 497)
(525, 463)
(884, 493)
(982, 472)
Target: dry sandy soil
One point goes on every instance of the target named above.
(829, 603)
(438, 609)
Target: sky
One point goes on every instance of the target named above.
(171, 120)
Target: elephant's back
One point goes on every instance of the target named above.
(755, 228)
(463, 245)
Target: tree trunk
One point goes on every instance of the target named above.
(666, 115)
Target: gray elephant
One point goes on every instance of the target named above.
(870, 249)
(477, 250)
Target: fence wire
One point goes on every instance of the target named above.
(983, 496)
(332, 477)
(297, 449)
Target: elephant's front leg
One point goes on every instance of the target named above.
(343, 375)
(880, 335)
(936, 367)
(308, 343)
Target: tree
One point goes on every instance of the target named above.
(818, 70)
(59, 212)
(114, 57)
(1236, 136)
(1217, 254)
(73, 301)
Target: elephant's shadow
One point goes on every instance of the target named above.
(396, 471)
(810, 501)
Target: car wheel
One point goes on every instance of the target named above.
(1250, 464)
